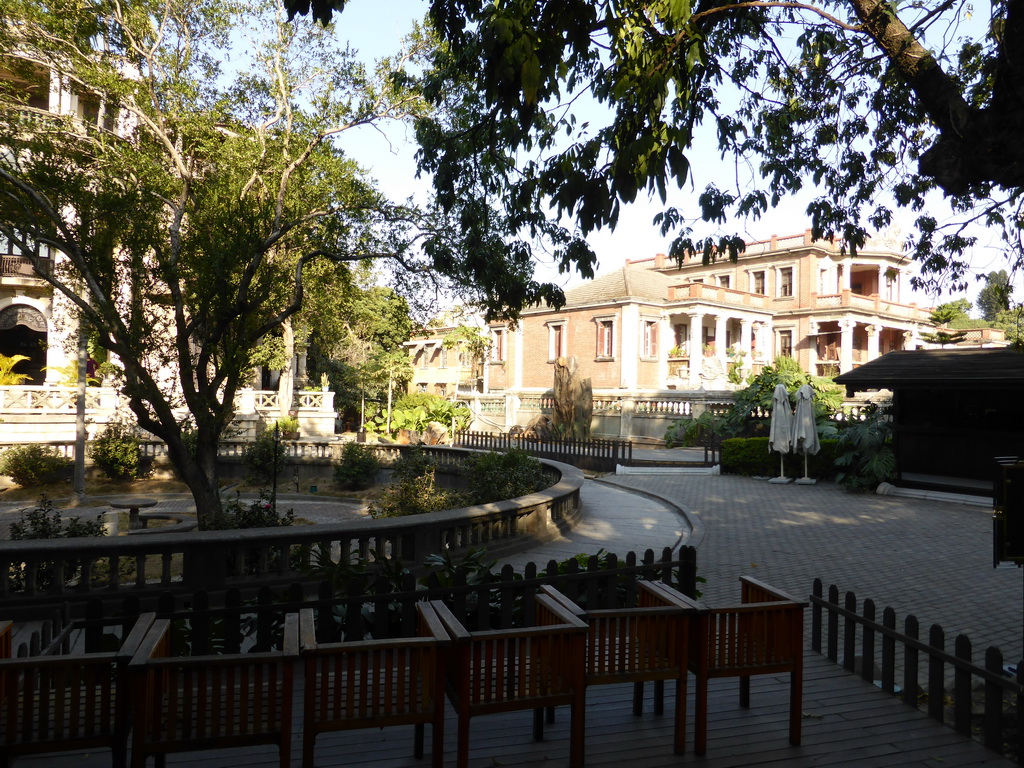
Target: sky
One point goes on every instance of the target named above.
(390, 158)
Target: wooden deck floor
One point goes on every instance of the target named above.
(847, 722)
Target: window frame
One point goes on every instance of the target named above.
(785, 288)
(556, 338)
(604, 342)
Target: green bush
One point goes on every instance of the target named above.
(258, 513)
(44, 522)
(33, 465)
(414, 496)
(263, 457)
(414, 463)
(865, 457)
(117, 452)
(358, 468)
(496, 476)
(750, 456)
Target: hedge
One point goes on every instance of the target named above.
(750, 456)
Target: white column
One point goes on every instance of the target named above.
(628, 346)
(847, 274)
(881, 281)
(766, 342)
(517, 373)
(665, 343)
(696, 348)
(846, 345)
(812, 353)
(746, 326)
(721, 347)
(874, 337)
(911, 340)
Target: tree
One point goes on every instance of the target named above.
(186, 203)
(878, 106)
(472, 346)
(994, 297)
(953, 313)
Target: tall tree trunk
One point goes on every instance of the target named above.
(574, 400)
(286, 384)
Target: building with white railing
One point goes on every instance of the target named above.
(660, 326)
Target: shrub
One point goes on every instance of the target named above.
(258, 513)
(687, 431)
(33, 465)
(44, 522)
(263, 457)
(414, 496)
(413, 464)
(750, 456)
(117, 452)
(358, 468)
(864, 454)
(497, 476)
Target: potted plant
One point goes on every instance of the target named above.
(676, 351)
(288, 426)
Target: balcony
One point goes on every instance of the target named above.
(19, 267)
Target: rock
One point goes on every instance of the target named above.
(408, 437)
(436, 433)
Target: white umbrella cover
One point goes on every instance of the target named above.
(780, 431)
(805, 430)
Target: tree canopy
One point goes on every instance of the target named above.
(187, 199)
(994, 297)
(871, 105)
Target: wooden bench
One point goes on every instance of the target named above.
(59, 702)
(375, 683)
(190, 703)
(504, 670)
(760, 636)
(648, 642)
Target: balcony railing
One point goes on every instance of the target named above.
(20, 266)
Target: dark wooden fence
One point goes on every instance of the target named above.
(881, 650)
(595, 455)
(375, 603)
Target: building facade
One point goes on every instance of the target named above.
(32, 321)
(656, 326)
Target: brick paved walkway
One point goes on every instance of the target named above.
(928, 558)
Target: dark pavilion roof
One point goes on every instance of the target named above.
(939, 369)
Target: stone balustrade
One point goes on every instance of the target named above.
(36, 574)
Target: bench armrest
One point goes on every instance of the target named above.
(756, 591)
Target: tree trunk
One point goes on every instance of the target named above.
(199, 473)
(286, 384)
(574, 400)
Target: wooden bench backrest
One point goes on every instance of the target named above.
(373, 681)
(58, 702)
(633, 641)
(762, 634)
(528, 665)
(212, 700)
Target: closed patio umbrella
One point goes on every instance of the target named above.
(805, 430)
(780, 431)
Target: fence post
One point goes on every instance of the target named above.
(962, 686)
(910, 686)
(849, 633)
(867, 645)
(816, 617)
(833, 624)
(936, 683)
(992, 727)
(889, 651)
